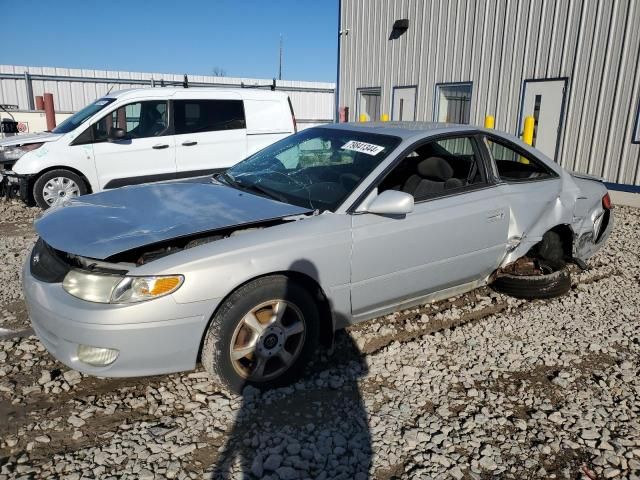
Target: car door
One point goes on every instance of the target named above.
(145, 154)
(455, 235)
(211, 135)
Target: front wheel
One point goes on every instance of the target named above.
(263, 335)
(54, 187)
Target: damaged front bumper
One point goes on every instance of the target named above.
(14, 185)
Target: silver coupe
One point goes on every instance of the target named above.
(251, 270)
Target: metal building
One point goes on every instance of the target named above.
(73, 88)
(572, 64)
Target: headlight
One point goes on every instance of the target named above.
(102, 288)
(14, 153)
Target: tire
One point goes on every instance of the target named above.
(233, 328)
(52, 187)
(534, 286)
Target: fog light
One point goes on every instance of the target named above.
(97, 356)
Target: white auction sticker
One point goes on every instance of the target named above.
(362, 147)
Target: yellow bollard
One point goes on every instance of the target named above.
(527, 132)
(489, 121)
(384, 117)
(363, 117)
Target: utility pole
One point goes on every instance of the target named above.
(280, 64)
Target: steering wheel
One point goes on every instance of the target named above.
(294, 181)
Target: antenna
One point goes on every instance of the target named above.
(280, 64)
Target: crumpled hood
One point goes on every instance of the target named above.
(104, 224)
(30, 138)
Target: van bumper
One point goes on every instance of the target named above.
(15, 185)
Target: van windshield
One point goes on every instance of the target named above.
(80, 117)
(316, 168)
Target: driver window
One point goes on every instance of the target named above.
(138, 120)
(436, 169)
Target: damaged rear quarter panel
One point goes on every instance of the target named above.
(537, 207)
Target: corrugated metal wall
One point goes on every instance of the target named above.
(313, 102)
(497, 45)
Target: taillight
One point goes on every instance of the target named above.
(606, 202)
(293, 116)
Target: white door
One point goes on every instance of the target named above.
(211, 135)
(544, 101)
(404, 104)
(145, 154)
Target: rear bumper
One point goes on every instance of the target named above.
(597, 231)
(14, 185)
(155, 337)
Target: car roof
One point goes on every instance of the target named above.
(206, 92)
(407, 130)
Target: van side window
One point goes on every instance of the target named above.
(196, 116)
(436, 169)
(138, 120)
(516, 166)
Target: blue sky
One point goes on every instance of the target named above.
(241, 36)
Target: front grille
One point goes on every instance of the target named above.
(46, 265)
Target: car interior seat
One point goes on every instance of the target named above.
(433, 175)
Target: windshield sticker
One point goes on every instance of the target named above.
(362, 147)
(102, 102)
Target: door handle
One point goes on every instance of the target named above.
(189, 143)
(160, 147)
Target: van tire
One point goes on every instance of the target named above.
(65, 183)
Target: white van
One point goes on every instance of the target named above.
(143, 135)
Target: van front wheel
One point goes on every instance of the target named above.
(54, 187)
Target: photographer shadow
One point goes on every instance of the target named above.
(316, 428)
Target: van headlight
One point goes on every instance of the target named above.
(103, 288)
(14, 153)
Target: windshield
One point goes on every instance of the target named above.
(316, 168)
(80, 117)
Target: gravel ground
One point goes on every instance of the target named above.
(475, 387)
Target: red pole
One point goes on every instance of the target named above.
(49, 111)
(39, 102)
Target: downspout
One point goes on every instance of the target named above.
(336, 114)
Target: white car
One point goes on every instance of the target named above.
(143, 135)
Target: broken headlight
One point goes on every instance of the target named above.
(14, 153)
(103, 288)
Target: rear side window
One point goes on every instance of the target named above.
(514, 166)
(196, 116)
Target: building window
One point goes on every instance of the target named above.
(369, 104)
(453, 102)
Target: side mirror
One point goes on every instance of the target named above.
(116, 134)
(391, 202)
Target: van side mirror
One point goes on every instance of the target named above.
(391, 202)
(116, 134)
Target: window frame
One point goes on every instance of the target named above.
(635, 138)
(363, 90)
(436, 98)
(173, 110)
(520, 151)
(476, 137)
(88, 135)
